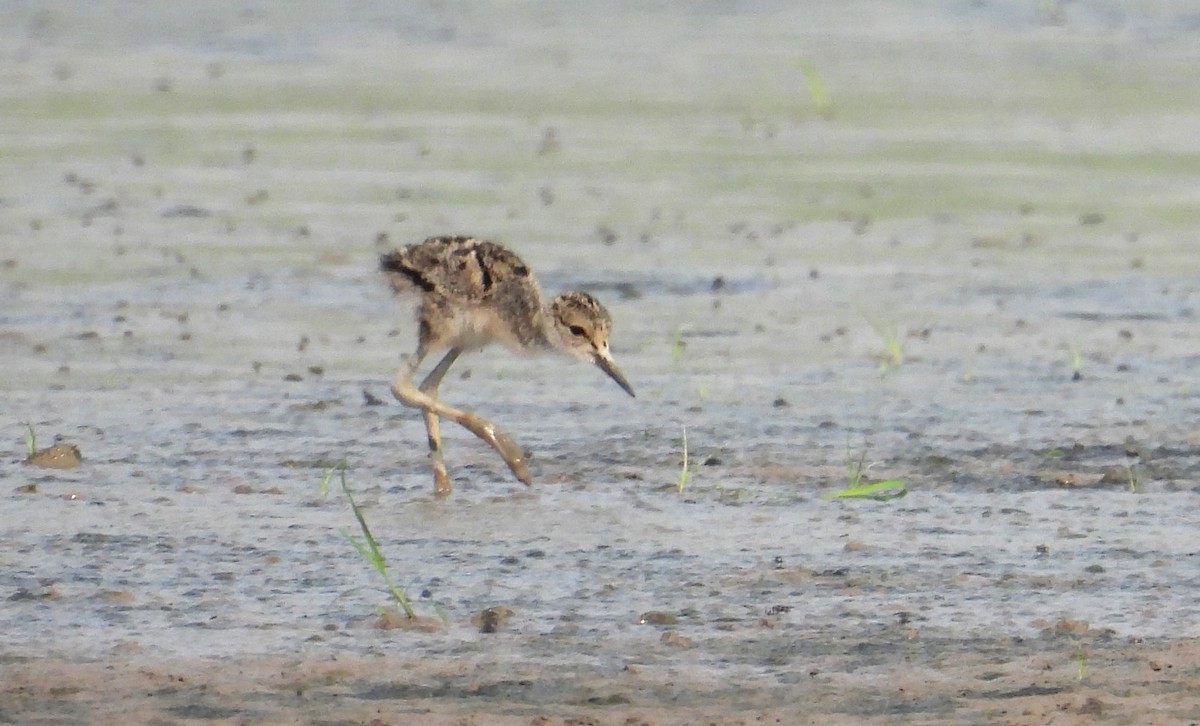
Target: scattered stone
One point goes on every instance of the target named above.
(656, 617)
(185, 210)
(121, 597)
(1066, 480)
(322, 405)
(857, 546)
(1070, 626)
(58, 456)
(370, 399)
(46, 593)
(606, 234)
(393, 620)
(676, 640)
(489, 620)
(1115, 475)
(1092, 707)
(627, 291)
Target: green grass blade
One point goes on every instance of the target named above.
(879, 491)
(30, 439)
(359, 547)
(677, 345)
(816, 88)
(325, 481)
(368, 547)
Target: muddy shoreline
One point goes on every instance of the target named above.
(942, 682)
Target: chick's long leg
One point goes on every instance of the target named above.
(403, 382)
(408, 394)
(429, 386)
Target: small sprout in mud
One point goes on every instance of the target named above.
(684, 472)
(332, 471)
(1076, 363)
(893, 350)
(1134, 478)
(1055, 453)
(678, 345)
(367, 547)
(816, 88)
(857, 488)
(1081, 659)
(30, 440)
(857, 468)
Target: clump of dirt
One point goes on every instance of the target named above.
(59, 456)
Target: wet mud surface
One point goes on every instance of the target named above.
(975, 270)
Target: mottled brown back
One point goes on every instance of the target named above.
(471, 290)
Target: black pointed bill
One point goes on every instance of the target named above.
(608, 366)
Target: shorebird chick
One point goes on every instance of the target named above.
(473, 293)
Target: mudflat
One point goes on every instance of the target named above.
(951, 244)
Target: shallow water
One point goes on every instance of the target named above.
(185, 221)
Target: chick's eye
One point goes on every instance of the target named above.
(577, 330)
